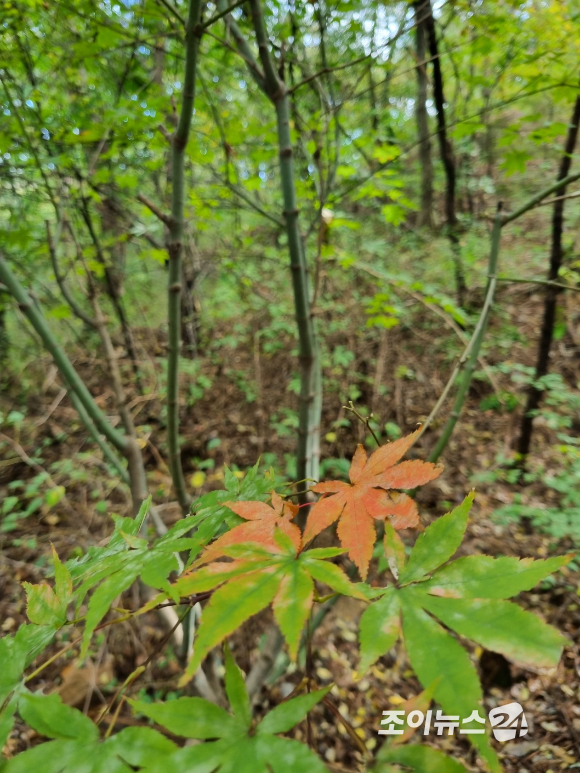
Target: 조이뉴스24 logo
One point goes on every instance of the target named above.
(507, 722)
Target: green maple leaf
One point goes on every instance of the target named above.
(469, 597)
(257, 577)
(241, 745)
(76, 746)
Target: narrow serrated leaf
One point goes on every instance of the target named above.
(438, 542)
(63, 585)
(141, 746)
(49, 716)
(292, 604)
(501, 626)
(286, 715)
(236, 690)
(437, 657)
(331, 575)
(42, 605)
(394, 550)
(379, 628)
(190, 718)
(420, 759)
(104, 596)
(491, 578)
(228, 608)
(285, 755)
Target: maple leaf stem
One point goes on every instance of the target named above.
(322, 599)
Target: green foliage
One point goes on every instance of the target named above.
(77, 747)
(256, 578)
(467, 597)
(242, 745)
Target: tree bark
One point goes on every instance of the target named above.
(445, 149)
(175, 248)
(425, 162)
(551, 294)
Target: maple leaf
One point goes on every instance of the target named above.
(365, 499)
(261, 523)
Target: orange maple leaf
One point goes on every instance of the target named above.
(262, 521)
(357, 504)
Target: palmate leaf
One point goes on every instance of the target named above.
(256, 577)
(457, 595)
(357, 505)
(238, 748)
(77, 747)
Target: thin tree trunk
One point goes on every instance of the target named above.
(551, 294)
(422, 117)
(310, 402)
(4, 341)
(445, 149)
(175, 249)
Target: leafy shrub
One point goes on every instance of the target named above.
(239, 555)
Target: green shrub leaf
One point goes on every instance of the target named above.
(438, 542)
(485, 577)
(236, 690)
(49, 716)
(501, 626)
(288, 714)
(191, 718)
(379, 628)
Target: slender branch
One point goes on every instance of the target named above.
(34, 315)
(243, 48)
(469, 358)
(561, 198)
(433, 308)
(173, 11)
(544, 282)
(220, 15)
(106, 449)
(167, 219)
(248, 199)
(535, 200)
(75, 308)
(310, 400)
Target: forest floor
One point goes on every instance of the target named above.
(413, 365)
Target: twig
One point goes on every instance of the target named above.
(167, 219)
(545, 282)
(219, 15)
(364, 419)
(449, 321)
(51, 408)
(560, 198)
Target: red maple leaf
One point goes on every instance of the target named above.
(357, 504)
(262, 521)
